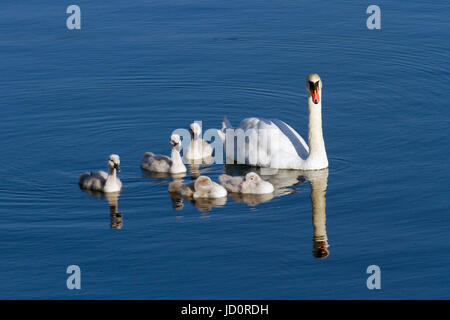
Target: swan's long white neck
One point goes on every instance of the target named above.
(318, 185)
(177, 162)
(112, 176)
(317, 152)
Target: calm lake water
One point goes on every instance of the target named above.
(136, 71)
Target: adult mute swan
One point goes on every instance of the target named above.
(160, 163)
(251, 183)
(203, 187)
(274, 144)
(102, 181)
(198, 149)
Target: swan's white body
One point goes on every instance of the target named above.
(274, 144)
(102, 181)
(198, 148)
(203, 187)
(251, 183)
(161, 163)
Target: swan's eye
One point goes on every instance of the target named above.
(317, 84)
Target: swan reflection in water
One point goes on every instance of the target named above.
(283, 181)
(195, 166)
(251, 199)
(202, 204)
(318, 180)
(112, 198)
(163, 175)
(116, 216)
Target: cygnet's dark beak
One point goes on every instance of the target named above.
(116, 166)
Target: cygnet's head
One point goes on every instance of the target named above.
(254, 184)
(195, 130)
(114, 162)
(203, 183)
(252, 177)
(175, 142)
(313, 87)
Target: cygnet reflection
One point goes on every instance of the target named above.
(251, 199)
(202, 204)
(116, 218)
(163, 175)
(196, 169)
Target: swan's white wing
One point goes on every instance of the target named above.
(156, 163)
(231, 184)
(286, 150)
(198, 150)
(301, 147)
(206, 149)
(101, 174)
(93, 180)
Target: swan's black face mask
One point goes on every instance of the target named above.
(115, 166)
(314, 89)
(174, 144)
(194, 134)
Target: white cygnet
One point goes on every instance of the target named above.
(102, 181)
(203, 187)
(161, 163)
(198, 148)
(251, 183)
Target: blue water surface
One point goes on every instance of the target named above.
(139, 69)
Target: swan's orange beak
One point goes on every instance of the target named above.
(315, 95)
(314, 89)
